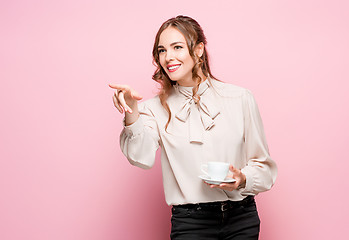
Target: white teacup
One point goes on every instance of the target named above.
(216, 170)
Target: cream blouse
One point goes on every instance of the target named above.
(223, 124)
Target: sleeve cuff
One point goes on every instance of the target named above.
(248, 189)
(135, 128)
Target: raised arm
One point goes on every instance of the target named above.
(139, 139)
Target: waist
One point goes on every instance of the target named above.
(220, 205)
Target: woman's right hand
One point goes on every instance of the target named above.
(125, 98)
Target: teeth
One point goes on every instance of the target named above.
(173, 67)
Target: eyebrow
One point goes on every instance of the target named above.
(174, 43)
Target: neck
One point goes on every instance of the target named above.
(192, 82)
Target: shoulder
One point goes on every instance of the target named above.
(229, 90)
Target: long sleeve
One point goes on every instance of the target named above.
(140, 140)
(261, 170)
(237, 138)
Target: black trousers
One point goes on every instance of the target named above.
(219, 220)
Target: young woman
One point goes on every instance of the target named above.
(196, 119)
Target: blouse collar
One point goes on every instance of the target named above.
(197, 108)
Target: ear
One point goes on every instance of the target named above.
(199, 49)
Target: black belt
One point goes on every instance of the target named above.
(222, 205)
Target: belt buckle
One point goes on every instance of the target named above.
(224, 206)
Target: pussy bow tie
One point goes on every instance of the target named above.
(199, 110)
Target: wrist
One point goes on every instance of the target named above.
(131, 118)
(243, 181)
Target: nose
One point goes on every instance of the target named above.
(169, 55)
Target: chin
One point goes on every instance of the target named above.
(173, 78)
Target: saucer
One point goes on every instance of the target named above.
(216, 182)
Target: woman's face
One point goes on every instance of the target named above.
(175, 58)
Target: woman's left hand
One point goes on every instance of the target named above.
(237, 175)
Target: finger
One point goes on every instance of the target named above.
(215, 186)
(231, 168)
(116, 94)
(119, 86)
(123, 102)
(114, 86)
(229, 185)
(116, 104)
(136, 95)
(221, 187)
(207, 183)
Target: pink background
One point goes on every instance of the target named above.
(63, 175)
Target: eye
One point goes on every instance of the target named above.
(178, 47)
(161, 50)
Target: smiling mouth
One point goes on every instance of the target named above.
(173, 67)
